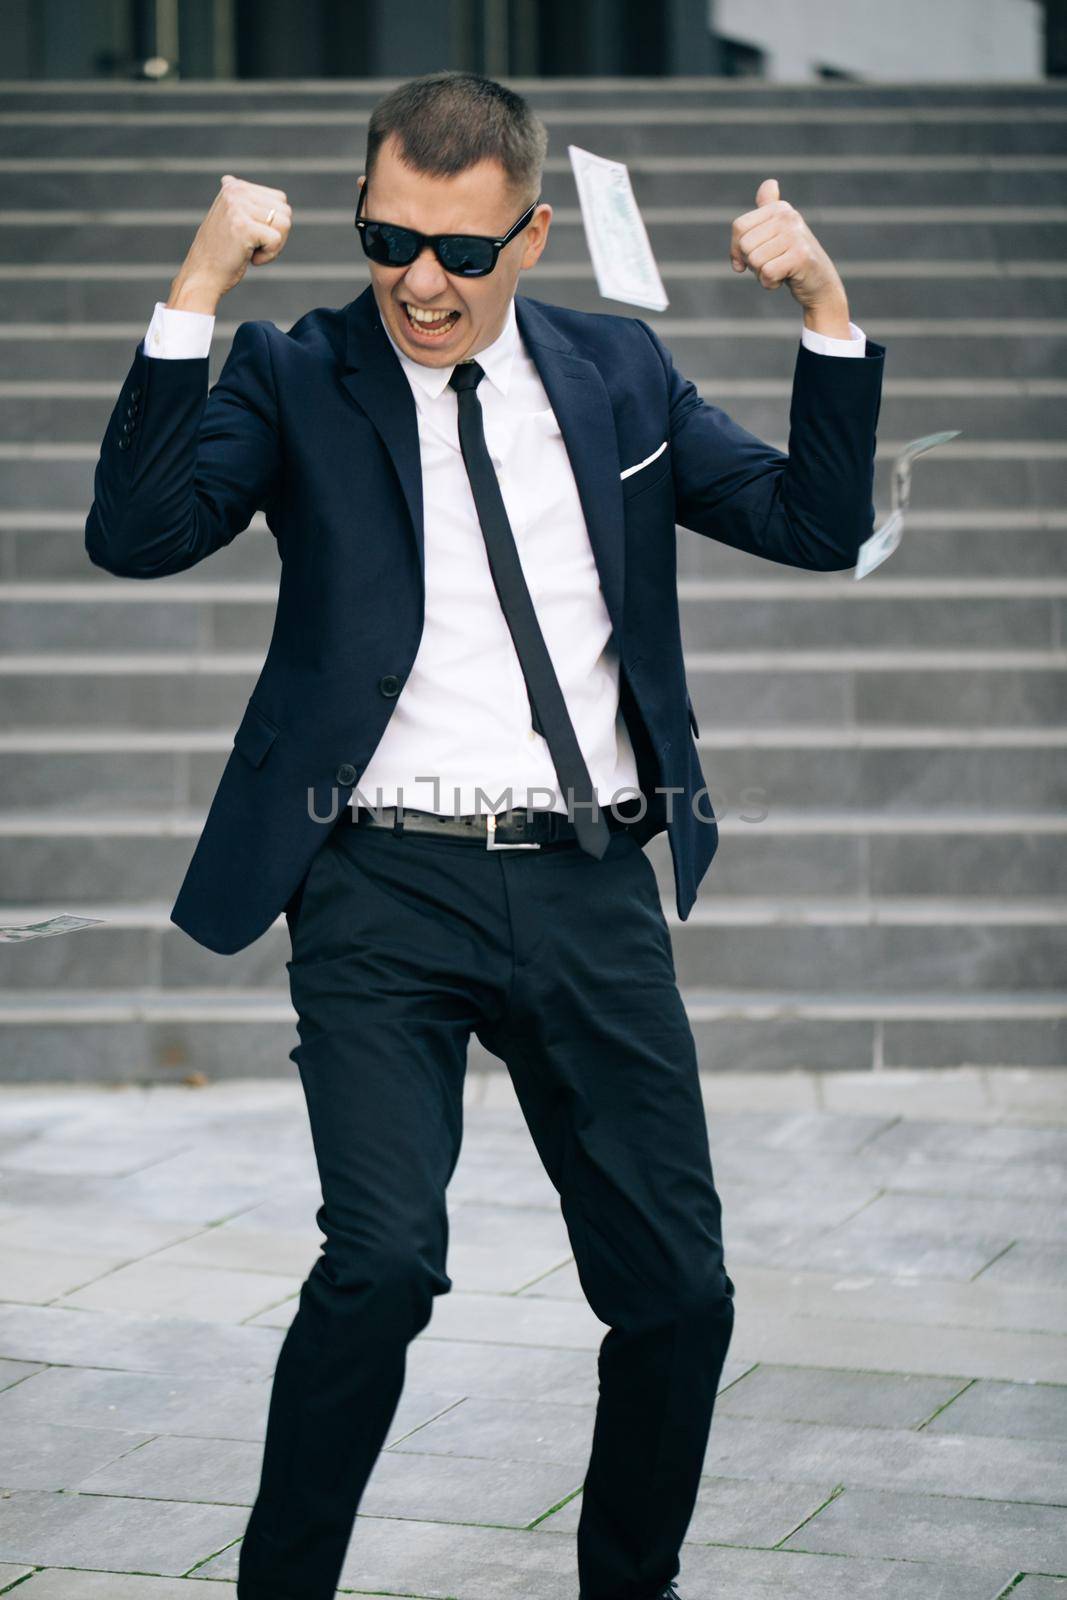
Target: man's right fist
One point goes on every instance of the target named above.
(235, 232)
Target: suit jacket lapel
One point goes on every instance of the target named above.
(583, 410)
(375, 379)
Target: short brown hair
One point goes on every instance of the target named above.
(446, 122)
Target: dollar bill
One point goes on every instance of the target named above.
(65, 923)
(618, 244)
(884, 540)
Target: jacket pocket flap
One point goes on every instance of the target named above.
(254, 735)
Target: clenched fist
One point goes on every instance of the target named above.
(776, 242)
(247, 223)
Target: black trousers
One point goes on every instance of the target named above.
(562, 966)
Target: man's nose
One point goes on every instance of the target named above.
(426, 278)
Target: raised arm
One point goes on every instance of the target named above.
(183, 470)
(811, 506)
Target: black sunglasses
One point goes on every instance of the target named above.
(466, 255)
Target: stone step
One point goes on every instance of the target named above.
(145, 1036)
(74, 771)
(738, 689)
(835, 944)
(1019, 545)
(818, 129)
(631, 95)
(180, 613)
(1000, 474)
(1001, 410)
(180, 184)
(764, 850)
(325, 236)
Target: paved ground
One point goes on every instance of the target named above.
(894, 1414)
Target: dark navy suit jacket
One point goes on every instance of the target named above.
(317, 427)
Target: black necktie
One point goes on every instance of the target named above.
(550, 716)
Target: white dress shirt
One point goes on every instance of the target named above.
(463, 715)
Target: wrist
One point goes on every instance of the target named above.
(831, 319)
(192, 294)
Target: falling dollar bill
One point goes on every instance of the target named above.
(622, 257)
(884, 540)
(45, 930)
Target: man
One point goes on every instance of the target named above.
(474, 499)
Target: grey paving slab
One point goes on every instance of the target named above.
(137, 1344)
(140, 1402)
(178, 1290)
(1035, 1587)
(524, 1318)
(288, 1252)
(731, 1511)
(507, 1430)
(445, 1561)
(956, 1141)
(1030, 1263)
(76, 1530)
(418, 1407)
(865, 1344)
(857, 1248)
(211, 1471)
(93, 1152)
(48, 1455)
(14, 1371)
(64, 1584)
(501, 1492)
(949, 1216)
(884, 1458)
(850, 1399)
(1022, 1411)
(982, 1304)
(517, 1372)
(933, 1528)
(98, 1229)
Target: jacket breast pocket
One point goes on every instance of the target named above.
(652, 469)
(255, 735)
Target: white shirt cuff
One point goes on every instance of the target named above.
(823, 345)
(175, 335)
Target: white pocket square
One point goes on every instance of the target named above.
(628, 472)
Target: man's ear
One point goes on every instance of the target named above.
(536, 235)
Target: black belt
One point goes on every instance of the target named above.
(515, 830)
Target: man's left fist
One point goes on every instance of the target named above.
(776, 242)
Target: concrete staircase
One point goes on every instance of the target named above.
(902, 902)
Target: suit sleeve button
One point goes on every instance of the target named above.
(389, 685)
(346, 773)
(124, 441)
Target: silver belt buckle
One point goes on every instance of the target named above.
(490, 837)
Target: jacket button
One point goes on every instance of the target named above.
(124, 441)
(389, 685)
(135, 392)
(346, 773)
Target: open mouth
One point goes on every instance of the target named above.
(429, 324)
